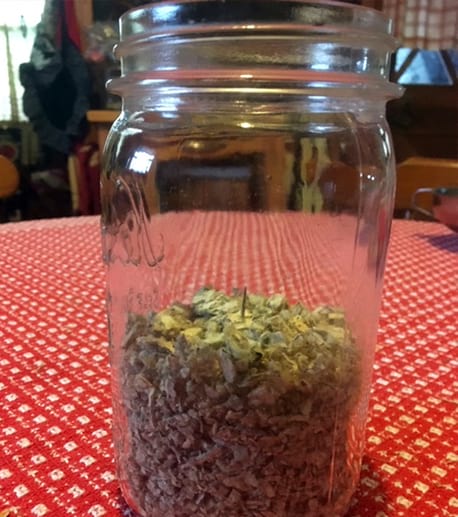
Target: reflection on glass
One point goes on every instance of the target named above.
(427, 68)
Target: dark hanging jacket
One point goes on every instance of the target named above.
(56, 80)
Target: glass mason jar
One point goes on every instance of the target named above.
(247, 196)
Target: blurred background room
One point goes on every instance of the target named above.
(56, 56)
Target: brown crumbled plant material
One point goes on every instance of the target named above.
(239, 406)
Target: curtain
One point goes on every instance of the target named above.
(17, 33)
(424, 24)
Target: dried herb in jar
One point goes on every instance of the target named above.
(239, 406)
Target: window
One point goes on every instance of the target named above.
(17, 34)
(425, 67)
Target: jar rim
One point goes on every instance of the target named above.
(319, 43)
(164, 18)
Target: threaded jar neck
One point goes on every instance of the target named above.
(280, 44)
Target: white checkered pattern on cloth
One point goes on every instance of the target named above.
(303, 256)
(56, 452)
(424, 24)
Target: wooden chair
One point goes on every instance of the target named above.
(415, 173)
(9, 184)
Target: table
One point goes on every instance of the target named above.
(56, 451)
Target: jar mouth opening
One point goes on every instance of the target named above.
(316, 43)
(171, 17)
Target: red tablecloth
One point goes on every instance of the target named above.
(56, 454)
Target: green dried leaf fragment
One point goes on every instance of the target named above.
(192, 332)
(277, 302)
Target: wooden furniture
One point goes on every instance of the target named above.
(101, 121)
(418, 172)
(424, 122)
(9, 184)
(9, 177)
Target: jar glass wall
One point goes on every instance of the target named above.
(245, 224)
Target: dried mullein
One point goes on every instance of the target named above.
(239, 406)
